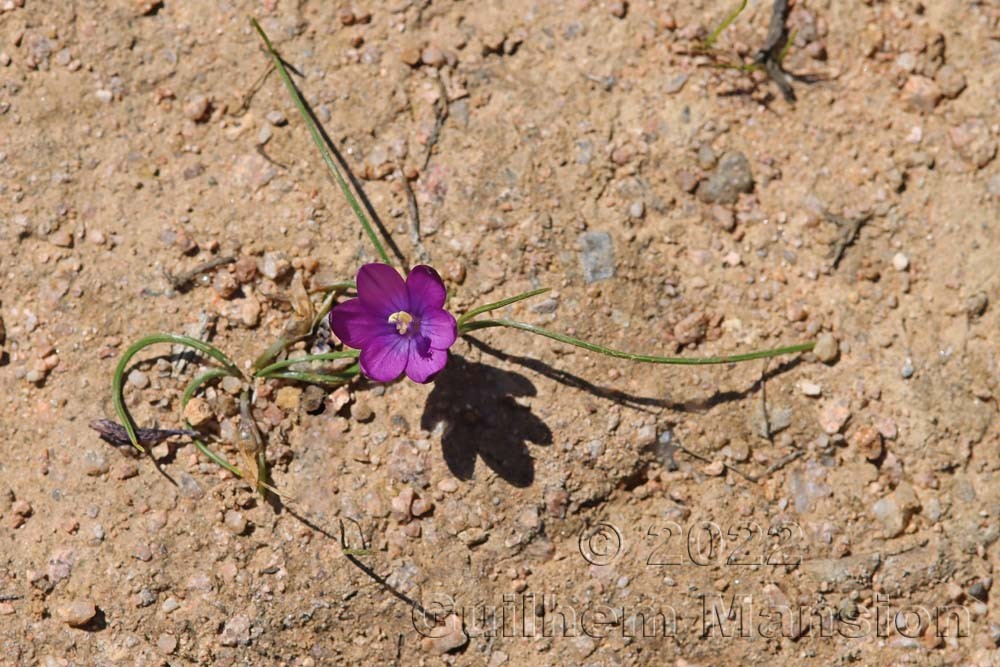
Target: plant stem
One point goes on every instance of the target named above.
(650, 359)
(318, 140)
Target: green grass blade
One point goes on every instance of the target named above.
(118, 380)
(725, 24)
(499, 304)
(646, 358)
(189, 392)
(315, 378)
(318, 140)
(327, 356)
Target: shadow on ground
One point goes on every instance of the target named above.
(483, 421)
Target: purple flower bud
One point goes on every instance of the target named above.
(398, 326)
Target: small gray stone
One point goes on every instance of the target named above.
(138, 379)
(235, 522)
(236, 631)
(276, 118)
(731, 177)
(827, 350)
(637, 210)
(95, 464)
(597, 256)
(894, 511)
(907, 370)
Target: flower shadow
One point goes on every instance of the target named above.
(475, 402)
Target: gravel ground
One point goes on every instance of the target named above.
(536, 504)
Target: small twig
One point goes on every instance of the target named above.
(440, 114)
(777, 465)
(184, 281)
(411, 205)
(249, 95)
(850, 228)
(772, 52)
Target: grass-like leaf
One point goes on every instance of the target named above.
(646, 358)
(499, 304)
(320, 144)
(326, 356)
(722, 26)
(118, 380)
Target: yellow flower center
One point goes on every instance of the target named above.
(402, 320)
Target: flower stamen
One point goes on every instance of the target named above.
(402, 320)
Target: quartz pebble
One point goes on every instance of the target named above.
(900, 262)
(827, 350)
(78, 612)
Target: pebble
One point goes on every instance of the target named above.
(197, 108)
(276, 118)
(249, 312)
(618, 9)
(597, 256)
(312, 399)
(921, 94)
(105, 96)
(78, 613)
(448, 485)
(170, 605)
(166, 643)
(950, 80)
(731, 177)
(645, 436)
(811, 389)
(245, 269)
(231, 385)
(973, 141)
(900, 262)
(907, 370)
(692, 329)
(637, 210)
(980, 589)
(868, 441)
(895, 510)
(236, 631)
(833, 416)
(95, 464)
(827, 350)
(714, 469)
(225, 285)
(288, 398)
(198, 411)
(362, 412)
(138, 379)
(275, 265)
(235, 522)
(449, 638)
(433, 57)
(676, 84)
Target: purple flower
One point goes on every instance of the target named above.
(399, 327)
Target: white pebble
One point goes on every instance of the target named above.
(811, 389)
(900, 262)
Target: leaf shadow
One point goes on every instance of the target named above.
(482, 420)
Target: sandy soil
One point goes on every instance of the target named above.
(542, 504)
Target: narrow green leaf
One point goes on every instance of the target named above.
(317, 138)
(326, 356)
(499, 304)
(315, 378)
(725, 24)
(646, 358)
(118, 380)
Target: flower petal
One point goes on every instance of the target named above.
(384, 357)
(426, 289)
(422, 367)
(439, 327)
(355, 324)
(382, 290)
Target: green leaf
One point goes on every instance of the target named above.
(499, 304)
(317, 138)
(119, 377)
(646, 358)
